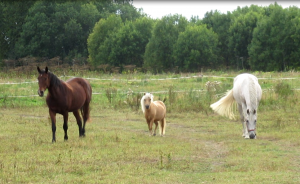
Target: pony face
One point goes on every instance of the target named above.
(43, 80)
(146, 101)
(250, 119)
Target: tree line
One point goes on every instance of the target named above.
(115, 33)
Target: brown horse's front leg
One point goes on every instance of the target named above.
(53, 120)
(65, 126)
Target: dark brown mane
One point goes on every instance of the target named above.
(54, 80)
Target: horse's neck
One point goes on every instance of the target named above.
(250, 94)
(56, 90)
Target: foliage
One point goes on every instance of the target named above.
(57, 28)
(274, 44)
(159, 51)
(195, 48)
(98, 39)
(240, 35)
(220, 24)
(114, 34)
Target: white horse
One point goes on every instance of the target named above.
(247, 93)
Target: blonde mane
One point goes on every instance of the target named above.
(147, 95)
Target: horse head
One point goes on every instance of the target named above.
(250, 119)
(43, 80)
(147, 100)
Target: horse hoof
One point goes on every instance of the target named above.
(53, 141)
(154, 134)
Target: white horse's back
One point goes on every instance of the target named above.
(246, 86)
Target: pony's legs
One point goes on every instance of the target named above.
(65, 126)
(150, 123)
(163, 126)
(53, 121)
(79, 123)
(156, 123)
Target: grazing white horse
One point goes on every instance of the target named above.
(247, 93)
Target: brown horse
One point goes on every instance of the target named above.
(64, 97)
(154, 111)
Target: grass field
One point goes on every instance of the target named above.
(199, 146)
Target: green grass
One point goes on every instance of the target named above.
(199, 146)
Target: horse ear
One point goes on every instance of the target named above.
(248, 111)
(144, 93)
(38, 69)
(46, 69)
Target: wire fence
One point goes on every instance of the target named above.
(132, 80)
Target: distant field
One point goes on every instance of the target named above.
(199, 146)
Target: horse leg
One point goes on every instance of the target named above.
(79, 123)
(65, 126)
(150, 123)
(156, 123)
(163, 126)
(53, 122)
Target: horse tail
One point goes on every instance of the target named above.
(85, 110)
(224, 106)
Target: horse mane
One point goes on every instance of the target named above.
(142, 100)
(54, 80)
(252, 93)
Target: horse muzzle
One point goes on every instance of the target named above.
(252, 134)
(147, 106)
(41, 93)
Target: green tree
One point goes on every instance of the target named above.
(12, 16)
(128, 44)
(240, 35)
(159, 50)
(220, 24)
(196, 48)
(273, 41)
(97, 48)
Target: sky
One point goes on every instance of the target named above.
(158, 9)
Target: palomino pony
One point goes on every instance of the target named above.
(73, 95)
(247, 93)
(154, 111)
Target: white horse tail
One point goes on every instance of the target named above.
(224, 106)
